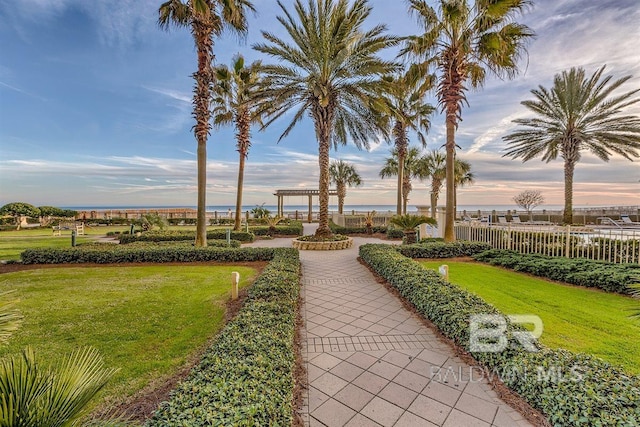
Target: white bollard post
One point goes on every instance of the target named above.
(444, 271)
(235, 279)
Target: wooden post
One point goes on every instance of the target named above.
(235, 279)
(567, 247)
(444, 272)
(310, 216)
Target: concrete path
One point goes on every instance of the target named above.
(372, 362)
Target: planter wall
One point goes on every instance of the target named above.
(322, 246)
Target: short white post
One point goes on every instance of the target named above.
(444, 271)
(235, 279)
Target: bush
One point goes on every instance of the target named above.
(570, 389)
(175, 236)
(294, 228)
(246, 376)
(394, 233)
(337, 229)
(442, 249)
(115, 254)
(577, 271)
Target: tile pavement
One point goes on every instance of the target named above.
(371, 362)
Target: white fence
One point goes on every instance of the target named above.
(612, 245)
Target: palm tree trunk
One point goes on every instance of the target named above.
(201, 100)
(243, 125)
(342, 193)
(238, 219)
(569, 167)
(323, 118)
(435, 192)
(449, 234)
(401, 146)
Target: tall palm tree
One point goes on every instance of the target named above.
(234, 102)
(411, 170)
(329, 71)
(577, 114)
(405, 106)
(206, 19)
(433, 166)
(344, 175)
(463, 176)
(463, 42)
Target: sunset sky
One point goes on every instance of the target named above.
(95, 110)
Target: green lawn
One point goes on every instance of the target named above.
(578, 319)
(147, 321)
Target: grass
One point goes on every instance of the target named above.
(147, 320)
(577, 319)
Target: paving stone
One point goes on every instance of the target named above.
(430, 409)
(477, 407)
(398, 395)
(458, 419)
(333, 413)
(382, 412)
(354, 397)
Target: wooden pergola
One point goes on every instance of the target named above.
(310, 193)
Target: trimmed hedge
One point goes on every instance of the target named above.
(577, 271)
(570, 389)
(174, 236)
(246, 377)
(116, 254)
(115, 246)
(292, 229)
(437, 249)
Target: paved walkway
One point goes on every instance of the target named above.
(372, 362)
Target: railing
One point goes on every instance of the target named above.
(618, 246)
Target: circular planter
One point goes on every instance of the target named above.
(322, 246)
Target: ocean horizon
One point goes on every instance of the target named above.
(333, 208)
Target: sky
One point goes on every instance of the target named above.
(95, 110)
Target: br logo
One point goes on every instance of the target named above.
(488, 332)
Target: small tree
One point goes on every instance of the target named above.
(260, 211)
(18, 210)
(528, 200)
(152, 220)
(408, 224)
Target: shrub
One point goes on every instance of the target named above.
(167, 236)
(442, 249)
(394, 233)
(577, 271)
(337, 229)
(246, 376)
(294, 228)
(570, 389)
(115, 254)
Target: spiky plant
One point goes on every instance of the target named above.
(409, 223)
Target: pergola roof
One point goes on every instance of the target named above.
(299, 192)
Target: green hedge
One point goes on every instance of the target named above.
(577, 271)
(125, 254)
(174, 236)
(585, 391)
(437, 249)
(246, 377)
(185, 243)
(294, 228)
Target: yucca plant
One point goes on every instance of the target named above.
(272, 222)
(368, 221)
(408, 224)
(10, 317)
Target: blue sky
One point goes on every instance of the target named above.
(95, 110)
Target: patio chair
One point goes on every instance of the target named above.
(502, 219)
(516, 219)
(627, 221)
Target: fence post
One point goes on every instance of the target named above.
(567, 244)
(509, 236)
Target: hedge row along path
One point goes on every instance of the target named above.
(371, 361)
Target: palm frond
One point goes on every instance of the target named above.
(10, 317)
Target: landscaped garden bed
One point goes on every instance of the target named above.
(313, 243)
(570, 389)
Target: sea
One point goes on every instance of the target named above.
(292, 208)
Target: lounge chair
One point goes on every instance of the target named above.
(516, 219)
(627, 221)
(502, 219)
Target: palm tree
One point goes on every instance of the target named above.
(206, 18)
(235, 102)
(404, 105)
(329, 70)
(463, 176)
(411, 170)
(344, 175)
(464, 42)
(408, 224)
(577, 114)
(433, 166)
